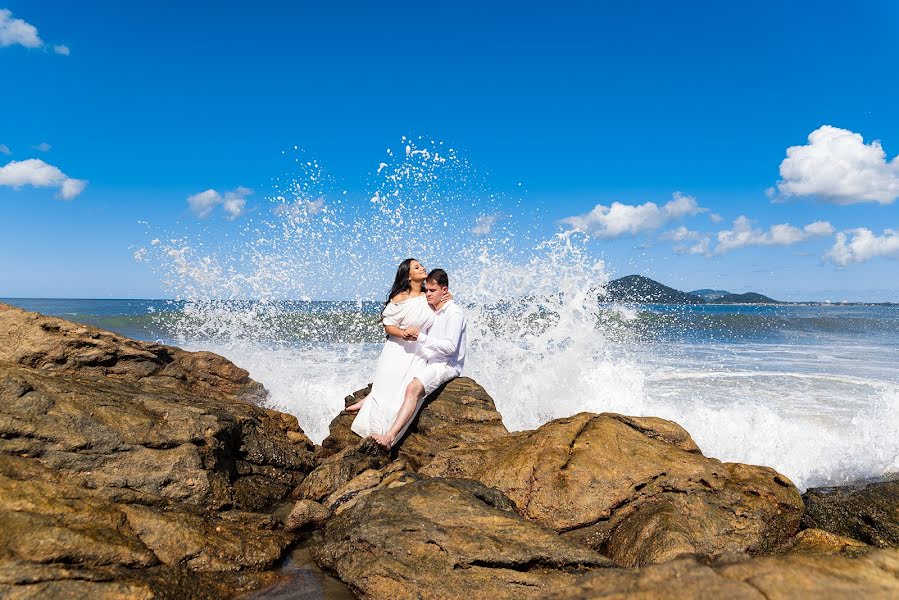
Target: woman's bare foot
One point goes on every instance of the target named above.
(356, 406)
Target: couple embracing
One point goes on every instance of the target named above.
(425, 348)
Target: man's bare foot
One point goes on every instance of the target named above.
(385, 441)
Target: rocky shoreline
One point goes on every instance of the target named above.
(131, 469)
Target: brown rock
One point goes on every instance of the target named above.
(866, 512)
(33, 340)
(817, 542)
(635, 489)
(336, 470)
(234, 542)
(307, 513)
(121, 463)
(875, 576)
(460, 411)
(446, 538)
(135, 444)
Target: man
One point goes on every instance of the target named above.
(443, 347)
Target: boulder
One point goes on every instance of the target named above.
(132, 443)
(37, 341)
(133, 470)
(875, 576)
(460, 411)
(446, 538)
(817, 542)
(306, 513)
(637, 490)
(866, 512)
(336, 470)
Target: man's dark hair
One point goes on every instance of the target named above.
(439, 277)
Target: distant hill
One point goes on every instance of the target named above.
(639, 289)
(747, 298)
(709, 295)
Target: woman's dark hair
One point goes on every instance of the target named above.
(402, 282)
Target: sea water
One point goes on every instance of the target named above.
(812, 391)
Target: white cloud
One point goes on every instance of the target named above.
(629, 219)
(680, 234)
(862, 244)
(715, 218)
(744, 234)
(16, 31)
(838, 167)
(233, 202)
(37, 173)
(4, 149)
(483, 225)
(43, 147)
(62, 49)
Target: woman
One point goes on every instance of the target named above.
(405, 313)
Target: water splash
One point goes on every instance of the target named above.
(540, 343)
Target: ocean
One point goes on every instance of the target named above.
(810, 390)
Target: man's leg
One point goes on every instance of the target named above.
(414, 392)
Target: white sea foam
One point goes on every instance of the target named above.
(539, 342)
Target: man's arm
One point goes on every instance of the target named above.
(444, 347)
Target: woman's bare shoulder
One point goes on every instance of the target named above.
(400, 297)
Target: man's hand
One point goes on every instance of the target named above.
(385, 441)
(411, 333)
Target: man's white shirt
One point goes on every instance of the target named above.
(446, 340)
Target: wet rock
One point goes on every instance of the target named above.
(446, 538)
(635, 489)
(866, 512)
(461, 411)
(307, 513)
(875, 576)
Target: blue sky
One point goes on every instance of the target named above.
(584, 103)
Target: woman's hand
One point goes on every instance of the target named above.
(411, 333)
(446, 298)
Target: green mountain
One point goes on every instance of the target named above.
(708, 295)
(747, 298)
(639, 289)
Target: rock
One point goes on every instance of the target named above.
(394, 474)
(230, 542)
(336, 470)
(131, 443)
(635, 489)
(131, 470)
(62, 540)
(869, 513)
(875, 576)
(817, 542)
(446, 538)
(460, 411)
(33, 340)
(307, 513)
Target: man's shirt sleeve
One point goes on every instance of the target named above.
(435, 348)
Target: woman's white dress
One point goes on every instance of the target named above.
(397, 364)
